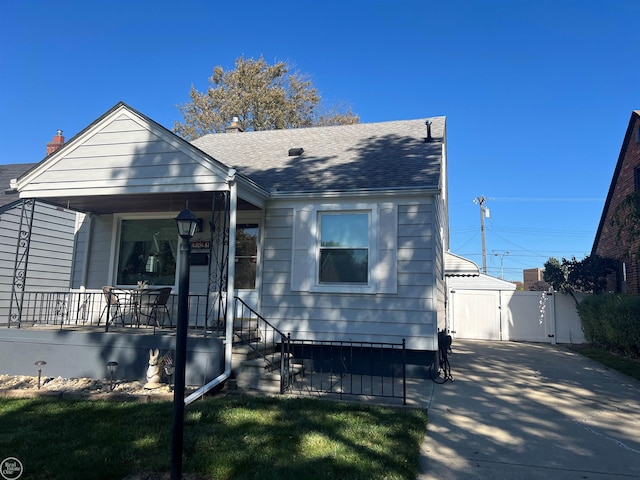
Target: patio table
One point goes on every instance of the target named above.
(126, 301)
(149, 302)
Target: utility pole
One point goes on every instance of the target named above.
(502, 263)
(483, 213)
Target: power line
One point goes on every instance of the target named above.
(548, 199)
(538, 231)
(544, 231)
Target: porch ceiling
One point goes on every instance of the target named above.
(158, 202)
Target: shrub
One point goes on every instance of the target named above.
(612, 321)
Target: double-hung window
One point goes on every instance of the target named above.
(344, 248)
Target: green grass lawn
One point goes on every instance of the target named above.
(226, 437)
(626, 365)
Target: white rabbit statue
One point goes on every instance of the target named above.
(154, 372)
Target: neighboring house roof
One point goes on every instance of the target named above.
(462, 273)
(456, 266)
(364, 156)
(623, 152)
(8, 173)
(480, 282)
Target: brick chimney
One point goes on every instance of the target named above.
(56, 144)
(234, 126)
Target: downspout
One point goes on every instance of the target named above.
(228, 341)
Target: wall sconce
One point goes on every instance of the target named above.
(39, 364)
(111, 367)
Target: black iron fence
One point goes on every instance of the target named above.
(363, 369)
(117, 308)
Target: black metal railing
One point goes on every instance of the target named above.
(108, 310)
(265, 341)
(363, 369)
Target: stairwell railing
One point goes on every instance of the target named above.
(264, 339)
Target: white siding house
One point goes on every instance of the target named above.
(349, 223)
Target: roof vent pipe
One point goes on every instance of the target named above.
(295, 152)
(234, 126)
(429, 137)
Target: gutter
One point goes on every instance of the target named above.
(387, 192)
(228, 340)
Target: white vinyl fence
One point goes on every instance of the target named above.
(542, 317)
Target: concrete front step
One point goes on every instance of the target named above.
(255, 375)
(255, 350)
(246, 329)
(255, 364)
(268, 382)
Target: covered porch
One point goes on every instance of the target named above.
(127, 178)
(125, 263)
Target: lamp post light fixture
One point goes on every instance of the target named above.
(187, 223)
(39, 365)
(502, 263)
(111, 367)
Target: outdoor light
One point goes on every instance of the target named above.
(169, 369)
(187, 223)
(39, 364)
(111, 367)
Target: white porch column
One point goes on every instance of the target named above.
(85, 256)
(231, 271)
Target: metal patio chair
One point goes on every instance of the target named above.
(152, 303)
(112, 305)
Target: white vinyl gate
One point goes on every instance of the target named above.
(542, 317)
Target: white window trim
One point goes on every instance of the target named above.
(370, 286)
(383, 249)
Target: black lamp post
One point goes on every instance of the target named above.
(186, 222)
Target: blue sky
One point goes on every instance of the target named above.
(537, 94)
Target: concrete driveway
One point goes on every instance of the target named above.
(530, 411)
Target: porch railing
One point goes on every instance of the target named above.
(366, 369)
(265, 341)
(72, 309)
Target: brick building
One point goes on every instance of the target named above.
(613, 238)
(531, 276)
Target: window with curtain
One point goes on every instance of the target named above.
(147, 252)
(246, 256)
(344, 248)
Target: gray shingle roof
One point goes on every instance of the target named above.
(7, 173)
(385, 155)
